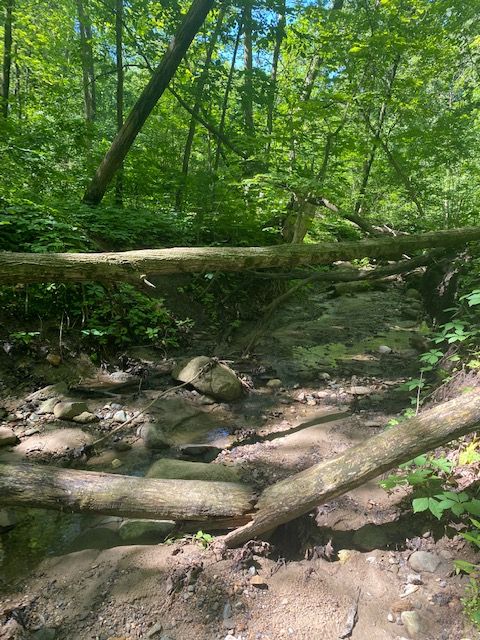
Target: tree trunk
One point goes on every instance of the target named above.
(30, 485)
(323, 482)
(199, 87)
(279, 36)
(7, 57)
(247, 97)
(135, 266)
(368, 164)
(150, 95)
(120, 90)
(86, 54)
(228, 88)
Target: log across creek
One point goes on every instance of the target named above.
(231, 504)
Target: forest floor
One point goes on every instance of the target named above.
(324, 376)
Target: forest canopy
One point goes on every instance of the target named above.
(283, 121)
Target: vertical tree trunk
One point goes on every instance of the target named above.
(279, 35)
(368, 163)
(88, 72)
(7, 57)
(148, 99)
(247, 97)
(200, 85)
(228, 88)
(120, 91)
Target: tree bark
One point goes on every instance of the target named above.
(148, 99)
(88, 72)
(134, 266)
(323, 482)
(30, 485)
(7, 57)
(120, 89)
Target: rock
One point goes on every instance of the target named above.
(47, 406)
(183, 470)
(384, 350)
(54, 359)
(154, 630)
(51, 391)
(153, 436)
(361, 391)
(412, 622)
(7, 520)
(219, 381)
(258, 582)
(136, 531)
(424, 561)
(85, 418)
(120, 416)
(116, 463)
(46, 633)
(7, 437)
(203, 450)
(324, 376)
(274, 383)
(57, 442)
(370, 537)
(414, 578)
(13, 630)
(68, 410)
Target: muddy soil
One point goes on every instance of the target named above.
(323, 377)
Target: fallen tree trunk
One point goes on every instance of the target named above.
(135, 266)
(115, 495)
(300, 493)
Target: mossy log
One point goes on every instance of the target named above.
(136, 266)
(116, 495)
(300, 493)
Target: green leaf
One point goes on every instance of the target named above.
(420, 504)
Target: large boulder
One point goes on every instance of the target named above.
(218, 380)
(183, 470)
(56, 442)
(7, 436)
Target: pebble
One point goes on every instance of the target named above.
(116, 463)
(85, 418)
(414, 578)
(154, 630)
(274, 383)
(68, 410)
(54, 359)
(252, 571)
(258, 582)
(383, 349)
(424, 561)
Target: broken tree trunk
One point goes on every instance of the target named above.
(115, 495)
(150, 95)
(300, 493)
(135, 266)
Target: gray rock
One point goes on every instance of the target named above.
(47, 406)
(153, 436)
(57, 442)
(219, 381)
(7, 519)
(183, 470)
(361, 391)
(7, 437)
(154, 630)
(384, 350)
(412, 623)
(200, 450)
(68, 410)
(424, 561)
(414, 578)
(135, 531)
(85, 418)
(51, 391)
(120, 416)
